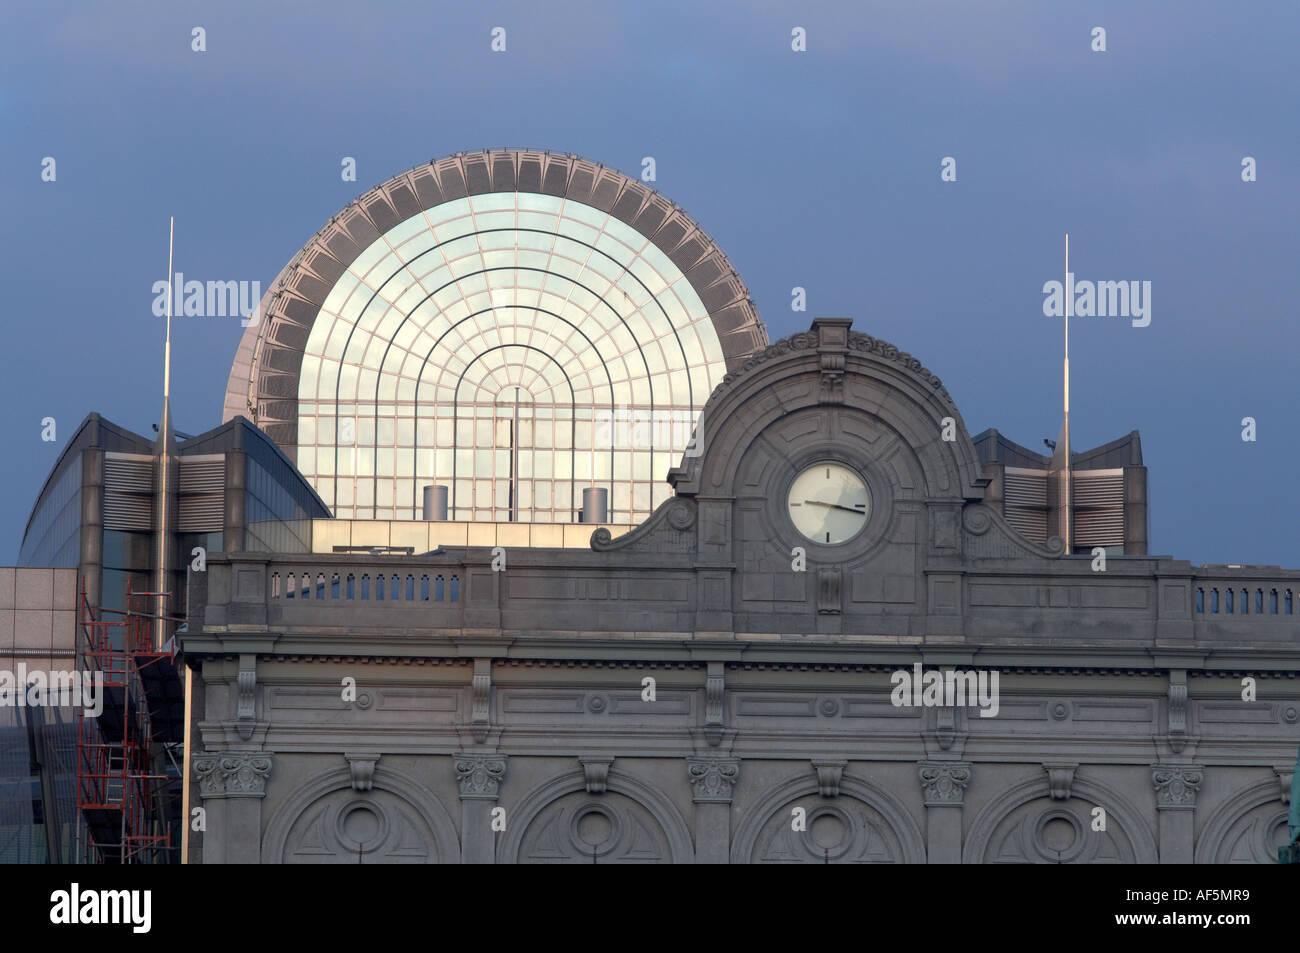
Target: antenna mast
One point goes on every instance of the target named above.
(1065, 490)
(163, 569)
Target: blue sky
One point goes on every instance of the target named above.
(816, 169)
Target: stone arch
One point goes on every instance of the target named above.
(1244, 828)
(408, 795)
(1011, 816)
(831, 367)
(884, 832)
(561, 805)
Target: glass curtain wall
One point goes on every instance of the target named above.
(514, 348)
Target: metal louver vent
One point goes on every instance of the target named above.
(1097, 501)
(1099, 509)
(201, 495)
(1024, 502)
(128, 492)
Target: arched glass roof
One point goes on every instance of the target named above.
(513, 345)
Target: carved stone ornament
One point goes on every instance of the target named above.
(681, 515)
(675, 514)
(595, 772)
(943, 783)
(865, 342)
(479, 775)
(480, 699)
(1177, 785)
(832, 378)
(945, 726)
(1177, 710)
(1060, 779)
(829, 776)
(246, 709)
(232, 774)
(714, 687)
(828, 591)
(712, 779)
(807, 340)
(977, 519)
(1284, 775)
(362, 769)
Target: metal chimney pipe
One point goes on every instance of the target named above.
(435, 503)
(595, 505)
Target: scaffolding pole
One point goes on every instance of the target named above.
(122, 796)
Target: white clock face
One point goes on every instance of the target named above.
(829, 503)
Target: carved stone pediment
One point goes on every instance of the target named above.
(670, 529)
(987, 535)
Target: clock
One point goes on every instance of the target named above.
(829, 503)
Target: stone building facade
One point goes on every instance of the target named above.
(717, 686)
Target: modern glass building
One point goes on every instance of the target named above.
(232, 489)
(39, 822)
(511, 327)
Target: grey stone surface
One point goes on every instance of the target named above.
(516, 724)
(8, 580)
(34, 589)
(33, 630)
(39, 621)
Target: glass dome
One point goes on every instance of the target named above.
(508, 343)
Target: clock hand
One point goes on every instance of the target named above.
(847, 509)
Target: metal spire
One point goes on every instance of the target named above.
(1065, 489)
(162, 567)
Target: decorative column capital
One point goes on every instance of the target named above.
(479, 775)
(232, 773)
(712, 779)
(1177, 785)
(943, 783)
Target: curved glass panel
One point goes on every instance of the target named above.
(513, 347)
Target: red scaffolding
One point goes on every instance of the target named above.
(120, 791)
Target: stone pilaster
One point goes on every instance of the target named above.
(711, 782)
(943, 786)
(1176, 788)
(479, 776)
(232, 785)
